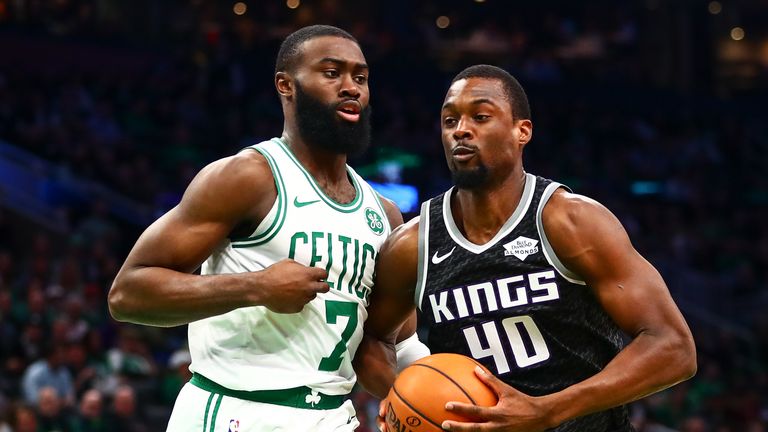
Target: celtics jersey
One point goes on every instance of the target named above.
(513, 306)
(254, 348)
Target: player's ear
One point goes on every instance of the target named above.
(284, 84)
(526, 131)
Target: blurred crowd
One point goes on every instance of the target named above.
(679, 158)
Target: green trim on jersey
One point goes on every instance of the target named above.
(282, 205)
(344, 208)
(215, 412)
(297, 397)
(207, 407)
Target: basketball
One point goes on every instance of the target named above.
(418, 397)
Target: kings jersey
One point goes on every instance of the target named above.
(513, 306)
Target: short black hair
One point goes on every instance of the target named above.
(289, 49)
(512, 88)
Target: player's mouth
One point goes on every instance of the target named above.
(349, 110)
(462, 153)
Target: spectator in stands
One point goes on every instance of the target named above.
(176, 375)
(51, 416)
(49, 371)
(90, 416)
(23, 419)
(124, 415)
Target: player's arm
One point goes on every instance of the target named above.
(155, 285)
(390, 307)
(591, 242)
(408, 347)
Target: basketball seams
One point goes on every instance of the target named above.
(421, 414)
(450, 379)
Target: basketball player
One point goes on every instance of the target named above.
(287, 235)
(533, 281)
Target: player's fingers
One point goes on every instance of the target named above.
(468, 410)
(462, 427)
(383, 408)
(490, 380)
(381, 420)
(321, 286)
(317, 273)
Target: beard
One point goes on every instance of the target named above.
(320, 126)
(471, 178)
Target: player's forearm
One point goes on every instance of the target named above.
(162, 297)
(374, 363)
(647, 365)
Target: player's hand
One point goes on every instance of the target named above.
(515, 411)
(381, 420)
(288, 285)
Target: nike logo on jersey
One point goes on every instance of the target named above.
(298, 203)
(438, 259)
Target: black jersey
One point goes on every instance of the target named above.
(513, 306)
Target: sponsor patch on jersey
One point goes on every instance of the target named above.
(521, 247)
(375, 223)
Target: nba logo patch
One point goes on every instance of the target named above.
(234, 425)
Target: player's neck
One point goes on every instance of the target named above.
(327, 168)
(480, 213)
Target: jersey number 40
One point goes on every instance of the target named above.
(516, 328)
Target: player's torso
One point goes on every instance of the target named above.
(511, 304)
(254, 348)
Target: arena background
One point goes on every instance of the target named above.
(657, 108)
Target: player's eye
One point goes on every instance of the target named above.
(331, 73)
(361, 79)
(449, 121)
(481, 117)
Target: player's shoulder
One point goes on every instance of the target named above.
(392, 210)
(240, 181)
(242, 171)
(405, 236)
(567, 212)
(245, 165)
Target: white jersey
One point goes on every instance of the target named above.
(254, 348)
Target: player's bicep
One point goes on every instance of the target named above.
(392, 298)
(220, 197)
(591, 242)
(177, 242)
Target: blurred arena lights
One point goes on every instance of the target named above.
(293, 4)
(443, 21)
(737, 33)
(239, 8)
(715, 7)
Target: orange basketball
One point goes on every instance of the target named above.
(418, 397)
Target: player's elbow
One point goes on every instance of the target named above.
(684, 357)
(118, 300)
(690, 362)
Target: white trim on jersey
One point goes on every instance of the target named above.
(546, 247)
(421, 272)
(509, 225)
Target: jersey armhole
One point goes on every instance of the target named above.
(272, 223)
(423, 242)
(549, 252)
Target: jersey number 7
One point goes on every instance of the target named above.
(334, 309)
